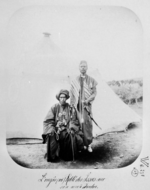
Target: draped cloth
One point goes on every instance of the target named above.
(84, 89)
(62, 143)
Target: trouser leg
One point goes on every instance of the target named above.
(79, 142)
(52, 148)
(87, 129)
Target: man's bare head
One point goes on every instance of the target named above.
(83, 67)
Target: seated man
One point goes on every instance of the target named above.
(62, 130)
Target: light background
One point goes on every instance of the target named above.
(109, 38)
(21, 178)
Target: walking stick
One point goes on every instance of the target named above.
(81, 106)
(71, 134)
(72, 146)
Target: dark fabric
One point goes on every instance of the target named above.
(52, 148)
(68, 146)
(87, 127)
(79, 141)
(50, 122)
(81, 98)
(62, 142)
(68, 149)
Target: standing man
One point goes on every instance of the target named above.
(83, 93)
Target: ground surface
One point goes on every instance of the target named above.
(111, 150)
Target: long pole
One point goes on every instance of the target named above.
(72, 145)
(81, 100)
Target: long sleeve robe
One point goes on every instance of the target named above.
(66, 141)
(87, 93)
(53, 117)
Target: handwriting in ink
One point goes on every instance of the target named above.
(145, 161)
(73, 180)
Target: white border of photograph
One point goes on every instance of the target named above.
(15, 177)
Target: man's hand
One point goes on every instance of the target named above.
(85, 102)
(72, 132)
(51, 133)
(59, 130)
(59, 123)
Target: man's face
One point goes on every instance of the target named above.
(62, 99)
(83, 68)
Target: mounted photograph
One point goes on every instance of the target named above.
(74, 87)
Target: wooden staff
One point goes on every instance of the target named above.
(81, 99)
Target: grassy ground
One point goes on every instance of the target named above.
(111, 150)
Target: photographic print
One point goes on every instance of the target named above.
(74, 76)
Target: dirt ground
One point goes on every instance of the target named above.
(111, 150)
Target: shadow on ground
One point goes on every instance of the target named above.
(111, 150)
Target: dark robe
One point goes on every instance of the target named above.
(66, 142)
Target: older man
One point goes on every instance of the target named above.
(83, 93)
(62, 130)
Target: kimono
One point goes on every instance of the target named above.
(84, 89)
(61, 131)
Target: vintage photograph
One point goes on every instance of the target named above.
(74, 87)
